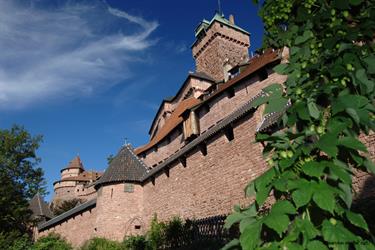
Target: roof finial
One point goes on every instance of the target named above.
(126, 141)
(219, 7)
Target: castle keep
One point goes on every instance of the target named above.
(201, 153)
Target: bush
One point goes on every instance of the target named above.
(15, 241)
(52, 242)
(102, 244)
(156, 235)
(136, 243)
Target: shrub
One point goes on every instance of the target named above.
(52, 242)
(102, 244)
(15, 241)
(156, 235)
(136, 243)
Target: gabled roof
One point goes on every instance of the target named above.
(198, 75)
(170, 124)
(126, 166)
(74, 164)
(39, 207)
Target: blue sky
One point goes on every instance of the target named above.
(88, 74)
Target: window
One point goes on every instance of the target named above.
(129, 188)
(229, 133)
(137, 227)
(263, 74)
(230, 93)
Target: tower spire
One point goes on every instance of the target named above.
(219, 7)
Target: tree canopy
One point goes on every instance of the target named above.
(20, 178)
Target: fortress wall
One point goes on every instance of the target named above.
(211, 184)
(66, 173)
(119, 212)
(165, 148)
(77, 229)
(222, 106)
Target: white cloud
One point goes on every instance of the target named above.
(69, 50)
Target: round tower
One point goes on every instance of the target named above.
(218, 44)
(120, 197)
(64, 189)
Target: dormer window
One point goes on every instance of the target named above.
(191, 125)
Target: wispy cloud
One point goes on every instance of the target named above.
(66, 50)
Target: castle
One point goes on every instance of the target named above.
(201, 153)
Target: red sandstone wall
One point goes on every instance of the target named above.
(76, 230)
(118, 212)
(210, 184)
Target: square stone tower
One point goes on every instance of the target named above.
(219, 46)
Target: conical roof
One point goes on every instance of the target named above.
(126, 166)
(39, 207)
(75, 163)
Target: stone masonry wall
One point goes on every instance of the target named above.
(77, 229)
(118, 212)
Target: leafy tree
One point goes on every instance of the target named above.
(20, 178)
(64, 206)
(330, 88)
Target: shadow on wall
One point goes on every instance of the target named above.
(364, 202)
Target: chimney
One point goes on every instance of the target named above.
(231, 19)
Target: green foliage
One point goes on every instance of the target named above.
(102, 244)
(330, 87)
(51, 241)
(156, 234)
(136, 243)
(19, 177)
(15, 241)
(64, 206)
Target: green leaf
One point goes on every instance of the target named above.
(301, 197)
(340, 173)
(313, 110)
(233, 244)
(250, 189)
(351, 142)
(313, 168)
(337, 233)
(245, 222)
(346, 194)
(281, 69)
(370, 166)
(357, 220)
(360, 74)
(355, 2)
(316, 245)
(262, 195)
(283, 207)
(365, 245)
(307, 228)
(275, 104)
(292, 246)
(306, 36)
(370, 61)
(275, 89)
(353, 113)
(249, 238)
(277, 222)
(302, 111)
(232, 219)
(341, 4)
(327, 143)
(324, 197)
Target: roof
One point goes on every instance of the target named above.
(271, 118)
(126, 166)
(84, 176)
(39, 207)
(68, 214)
(255, 64)
(221, 19)
(199, 75)
(170, 124)
(237, 114)
(74, 164)
(175, 119)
